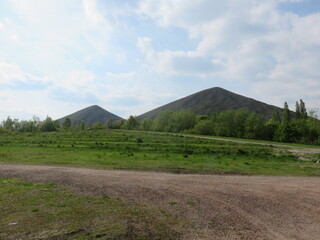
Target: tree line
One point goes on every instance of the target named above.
(287, 126)
(292, 127)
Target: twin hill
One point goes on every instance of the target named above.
(90, 115)
(214, 100)
(202, 103)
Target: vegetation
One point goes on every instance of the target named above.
(47, 211)
(241, 123)
(140, 144)
(139, 150)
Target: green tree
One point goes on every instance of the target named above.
(254, 126)
(275, 116)
(33, 125)
(231, 123)
(119, 124)
(66, 124)
(286, 114)
(48, 125)
(146, 124)
(132, 123)
(183, 120)
(204, 127)
(8, 124)
(309, 129)
(303, 110)
(225, 124)
(82, 125)
(269, 130)
(287, 132)
(109, 123)
(240, 121)
(56, 124)
(164, 121)
(298, 113)
(97, 126)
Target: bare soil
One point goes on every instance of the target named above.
(214, 206)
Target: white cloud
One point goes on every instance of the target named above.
(251, 41)
(90, 9)
(130, 93)
(11, 74)
(26, 103)
(7, 29)
(58, 33)
(179, 63)
(87, 49)
(78, 81)
(182, 13)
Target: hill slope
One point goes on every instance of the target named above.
(214, 99)
(91, 115)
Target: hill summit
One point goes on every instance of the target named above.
(90, 115)
(215, 100)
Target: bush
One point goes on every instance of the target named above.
(204, 127)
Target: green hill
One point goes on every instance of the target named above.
(90, 115)
(214, 99)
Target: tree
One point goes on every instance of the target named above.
(109, 123)
(8, 124)
(275, 116)
(298, 113)
(224, 124)
(146, 124)
(204, 127)
(48, 125)
(286, 114)
(132, 123)
(82, 125)
(240, 121)
(164, 121)
(313, 126)
(97, 126)
(183, 120)
(56, 124)
(33, 125)
(254, 126)
(66, 123)
(303, 110)
(118, 124)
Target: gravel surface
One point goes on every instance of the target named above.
(215, 206)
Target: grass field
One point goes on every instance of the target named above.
(112, 149)
(47, 211)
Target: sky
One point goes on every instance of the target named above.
(130, 56)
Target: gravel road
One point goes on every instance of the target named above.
(216, 206)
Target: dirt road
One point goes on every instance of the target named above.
(217, 207)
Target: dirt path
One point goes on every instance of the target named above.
(219, 207)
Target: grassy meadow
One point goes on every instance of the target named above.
(47, 211)
(133, 150)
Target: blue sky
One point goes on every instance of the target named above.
(58, 56)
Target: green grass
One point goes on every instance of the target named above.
(254, 141)
(47, 211)
(132, 150)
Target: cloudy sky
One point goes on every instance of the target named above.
(130, 56)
